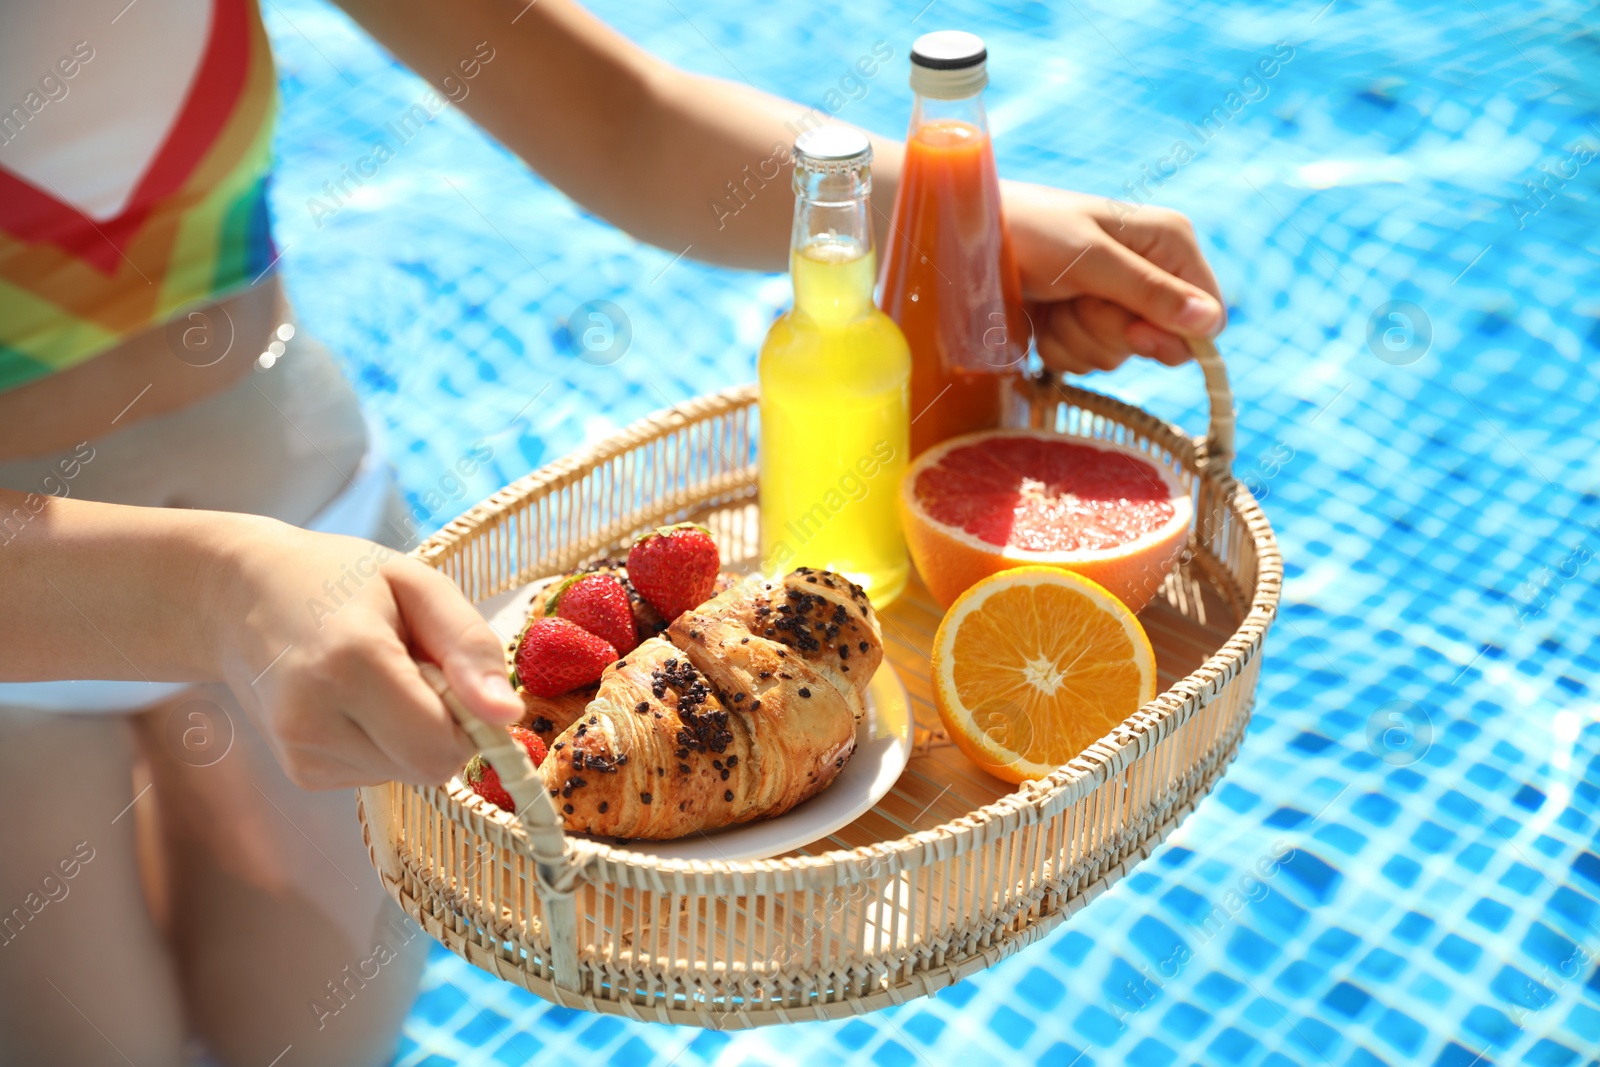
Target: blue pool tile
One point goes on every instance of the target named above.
(958, 995)
(1402, 872)
(1317, 877)
(1458, 953)
(483, 1028)
(1040, 989)
(1251, 951)
(1314, 1038)
(854, 1035)
(1586, 865)
(1186, 904)
(1408, 781)
(1490, 1025)
(1310, 743)
(1298, 978)
(1341, 837)
(1457, 805)
(1489, 914)
(1286, 818)
(893, 1054)
(632, 1051)
(1218, 990)
(601, 1032)
(1551, 949)
(1071, 948)
(1239, 799)
(1262, 1014)
(1360, 1057)
(1061, 1053)
(1279, 916)
(1574, 820)
(1150, 1053)
(708, 1044)
(1347, 1000)
(1175, 856)
(440, 1004)
(1429, 989)
(1012, 1027)
(559, 1018)
(924, 1026)
(1528, 799)
(1519, 989)
(1400, 1031)
(1520, 877)
(1098, 1025)
(1486, 777)
(522, 1049)
(1380, 964)
(1413, 927)
(1547, 1053)
(1232, 1045)
(1185, 1021)
(1335, 943)
(1128, 987)
(1431, 837)
(1158, 942)
(1455, 1054)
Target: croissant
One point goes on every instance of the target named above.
(744, 708)
(550, 716)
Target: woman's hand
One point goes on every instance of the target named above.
(318, 635)
(1103, 280)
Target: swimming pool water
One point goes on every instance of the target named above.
(1426, 749)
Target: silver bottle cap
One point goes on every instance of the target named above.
(832, 149)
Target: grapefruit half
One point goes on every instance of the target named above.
(987, 502)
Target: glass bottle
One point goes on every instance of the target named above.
(949, 278)
(835, 377)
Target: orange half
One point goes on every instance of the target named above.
(1033, 665)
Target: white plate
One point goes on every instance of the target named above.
(883, 747)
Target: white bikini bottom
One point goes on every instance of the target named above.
(290, 442)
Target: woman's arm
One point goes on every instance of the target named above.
(634, 140)
(315, 634)
(652, 149)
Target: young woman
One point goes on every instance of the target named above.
(181, 864)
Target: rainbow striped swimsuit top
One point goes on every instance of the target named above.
(134, 159)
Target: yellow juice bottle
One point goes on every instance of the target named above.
(835, 386)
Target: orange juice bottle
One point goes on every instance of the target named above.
(949, 278)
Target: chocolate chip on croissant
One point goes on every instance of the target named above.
(720, 722)
(549, 716)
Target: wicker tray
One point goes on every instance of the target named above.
(949, 873)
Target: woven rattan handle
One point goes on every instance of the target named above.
(1219, 441)
(556, 867)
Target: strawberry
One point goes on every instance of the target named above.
(600, 604)
(557, 655)
(675, 567)
(482, 779)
